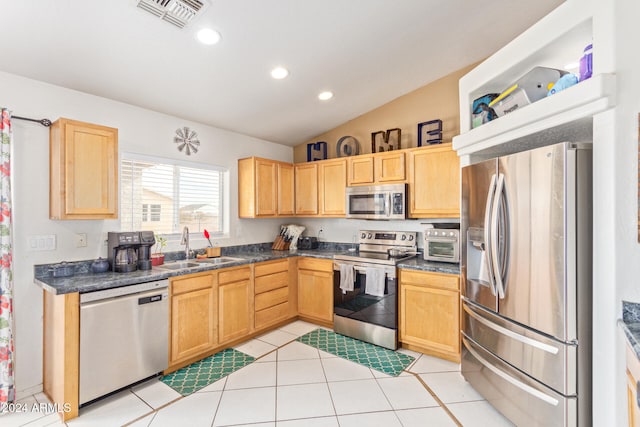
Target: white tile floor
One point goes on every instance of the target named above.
(290, 385)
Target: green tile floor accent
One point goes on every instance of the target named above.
(378, 358)
(206, 371)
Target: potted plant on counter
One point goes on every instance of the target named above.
(157, 258)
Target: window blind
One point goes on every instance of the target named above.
(164, 197)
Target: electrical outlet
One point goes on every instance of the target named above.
(81, 240)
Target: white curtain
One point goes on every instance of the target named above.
(7, 389)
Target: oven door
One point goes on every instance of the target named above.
(369, 312)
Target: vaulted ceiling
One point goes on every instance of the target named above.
(367, 52)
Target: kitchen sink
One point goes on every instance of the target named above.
(220, 260)
(179, 265)
(183, 265)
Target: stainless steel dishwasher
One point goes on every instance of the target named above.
(124, 335)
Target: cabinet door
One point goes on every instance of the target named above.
(286, 189)
(315, 294)
(332, 177)
(429, 318)
(306, 189)
(83, 171)
(192, 323)
(360, 170)
(234, 312)
(434, 182)
(266, 188)
(632, 401)
(390, 167)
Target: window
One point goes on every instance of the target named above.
(151, 212)
(165, 195)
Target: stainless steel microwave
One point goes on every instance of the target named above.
(377, 202)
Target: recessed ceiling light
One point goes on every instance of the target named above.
(324, 96)
(208, 36)
(279, 73)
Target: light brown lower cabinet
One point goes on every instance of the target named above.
(315, 289)
(273, 294)
(633, 378)
(235, 303)
(193, 315)
(61, 351)
(429, 313)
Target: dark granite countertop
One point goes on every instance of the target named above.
(85, 281)
(89, 282)
(630, 325)
(419, 263)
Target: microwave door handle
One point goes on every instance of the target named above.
(387, 205)
(487, 232)
(495, 237)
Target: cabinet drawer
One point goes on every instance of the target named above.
(263, 269)
(271, 282)
(433, 280)
(233, 275)
(315, 264)
(271, 298)
(272, 314)
(192, 283)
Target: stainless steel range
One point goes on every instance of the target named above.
(365, 291)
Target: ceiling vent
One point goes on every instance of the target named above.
(177, 12)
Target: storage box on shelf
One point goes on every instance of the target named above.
(556, 40)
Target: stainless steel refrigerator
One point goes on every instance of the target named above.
(526, 270)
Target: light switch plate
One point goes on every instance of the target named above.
(41, 243)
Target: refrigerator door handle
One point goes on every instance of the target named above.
(522, 386)
(513, 335)
(495, 242)
(487, 233)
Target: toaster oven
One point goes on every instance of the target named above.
(442, 245)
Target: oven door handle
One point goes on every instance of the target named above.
(363, 269)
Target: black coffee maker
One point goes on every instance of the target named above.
(130, 250)
(147, 240)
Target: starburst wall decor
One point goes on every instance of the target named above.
(187, 140)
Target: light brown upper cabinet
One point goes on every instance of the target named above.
(83, 181)
(434, 182)
(332, 179)
(265, 188)
(360, 170)
(378, 168)
(306, 188)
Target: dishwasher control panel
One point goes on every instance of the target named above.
(160, 285)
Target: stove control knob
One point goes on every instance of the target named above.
(369, 236)
(411, 237)
(451, 233)
(404, 237)
(363, 235)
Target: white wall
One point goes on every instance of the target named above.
(616, 192)
(140, 131)
(345, 230)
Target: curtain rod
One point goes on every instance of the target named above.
(43, 122)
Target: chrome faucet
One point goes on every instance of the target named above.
(185, 241)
